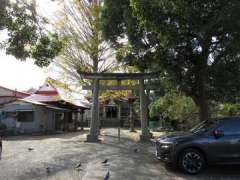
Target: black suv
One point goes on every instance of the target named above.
(214, 142)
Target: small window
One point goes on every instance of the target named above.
(25, 116)
(111, 112)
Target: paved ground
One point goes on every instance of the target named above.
(60, 154)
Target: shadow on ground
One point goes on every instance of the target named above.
(61, 155)
(62, 135)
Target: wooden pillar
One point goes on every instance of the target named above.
(81, 119)
(65, 121)
(98, 122)
(75, 121)
(104, 112)
(119, 83)
(148, 103)
(93, 136)
(145, 136)
(119, 115)
(131, 120)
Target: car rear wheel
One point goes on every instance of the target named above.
(191, 161)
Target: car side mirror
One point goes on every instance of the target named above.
(218, 133)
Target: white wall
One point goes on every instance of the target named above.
(43, 118)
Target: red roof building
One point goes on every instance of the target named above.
(51, 95)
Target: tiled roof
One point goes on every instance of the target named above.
(49, 99)
(47, 89)
(42, 98)
(14, 93)
(43, 104)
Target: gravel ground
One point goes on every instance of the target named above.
(54, 157)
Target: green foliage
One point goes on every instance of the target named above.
(119, 22)
(46, 49)
(226, 110)
(3, 13)
(26, 38)
(174, 107)
(195, 43)
(20, 22)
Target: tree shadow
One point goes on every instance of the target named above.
(124, 163)
(33, 137)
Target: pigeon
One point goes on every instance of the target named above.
(48, 170)
(107, 176)
(136, 150)
(78, 165)
(30, 149)
(105, 161)
(78, 169)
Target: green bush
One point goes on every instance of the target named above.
(225, 110)
(175, 107)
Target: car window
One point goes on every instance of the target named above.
(230, 127)
(203, 127)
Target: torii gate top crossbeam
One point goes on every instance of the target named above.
(118, 76)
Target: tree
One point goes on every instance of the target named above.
(26, 37)
(85, 49)
(123, 30)
(195, 43)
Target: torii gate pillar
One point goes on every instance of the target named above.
(145, 136)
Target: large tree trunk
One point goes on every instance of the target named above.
(202, 99)
(203, 109)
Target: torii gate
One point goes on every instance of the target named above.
(96, 77)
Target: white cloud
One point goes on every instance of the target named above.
(21, 75)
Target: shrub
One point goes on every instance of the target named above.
(175, 108)
(225, 110)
